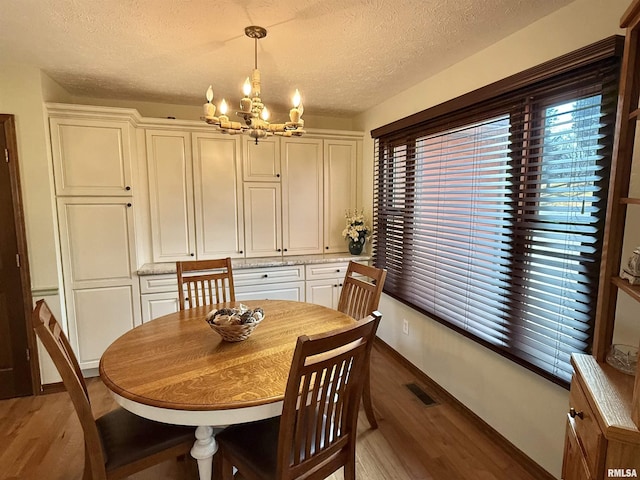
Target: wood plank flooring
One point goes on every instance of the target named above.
(40, 437)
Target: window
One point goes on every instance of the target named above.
(489, 209)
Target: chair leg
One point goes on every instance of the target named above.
(366, 401)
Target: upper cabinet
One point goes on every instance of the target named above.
(318, 183)
(340, 190)
(171, 195)
(91, 157)
(217, 178)
(261, 160)
(195, 191)
(302, 196)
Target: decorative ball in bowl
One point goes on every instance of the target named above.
(234, 324)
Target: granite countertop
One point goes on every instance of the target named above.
(240, 263)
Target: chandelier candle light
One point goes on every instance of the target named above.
(252, 110)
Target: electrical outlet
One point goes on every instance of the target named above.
(405, 326)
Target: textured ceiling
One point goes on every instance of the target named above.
(343, 55)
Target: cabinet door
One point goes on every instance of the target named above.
(340, 193)
(574, 466)
(324, 292)
(261, 160)
(218, 196)
(263, 219)
(101, 288)
(302, 196)
(171, 195)
(91, 157)
(156, 305)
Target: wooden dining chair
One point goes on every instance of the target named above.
(119, 443)
(205, 282)
(360, 296)
(316, 433)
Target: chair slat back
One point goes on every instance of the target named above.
(361, 294)
(320, 412)
(57, 345)
(205, 282)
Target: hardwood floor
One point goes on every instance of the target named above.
(40, 437)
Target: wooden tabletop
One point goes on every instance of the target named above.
(178, 362)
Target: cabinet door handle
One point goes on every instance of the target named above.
(340, 285)
(279, 250)
(335, 286)
(338, 270)
(573, 413)
(277, 175)
(285, 249)
(327, 248)
(192, 254)
(127, 188)
(128, 205)
(265, 275)
(241, 251)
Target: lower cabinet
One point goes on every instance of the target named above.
(97, 244)
(601, 440)
(318, 283)
(324, 283)
(159, 293)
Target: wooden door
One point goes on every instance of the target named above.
(15, 295)
(302, 196)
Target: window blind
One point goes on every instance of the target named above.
(489, 217)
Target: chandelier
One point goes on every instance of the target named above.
(254, 113)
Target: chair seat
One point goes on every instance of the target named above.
(255, 443)
(127, 438)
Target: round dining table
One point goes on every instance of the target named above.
(176, 369)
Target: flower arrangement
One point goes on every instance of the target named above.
(356, 230)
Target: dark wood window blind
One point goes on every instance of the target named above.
(489, 209)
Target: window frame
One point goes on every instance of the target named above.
(473, 107)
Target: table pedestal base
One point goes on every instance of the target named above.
(203, 450)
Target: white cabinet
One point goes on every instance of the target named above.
(195, 195)
(91, 156)
(318, 184)
(324, 283)
(218, 196)
(270, 283)
(97, 244)
(171, 195)
(302, 196)
(340, 190)
(261, 160)
(159, 293)
(263, 219)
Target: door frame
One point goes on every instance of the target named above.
(8, 124)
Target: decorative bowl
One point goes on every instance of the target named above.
(623, 358)
(234, 324)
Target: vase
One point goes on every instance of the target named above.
(355, 246)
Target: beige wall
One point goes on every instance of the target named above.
(528, 410)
